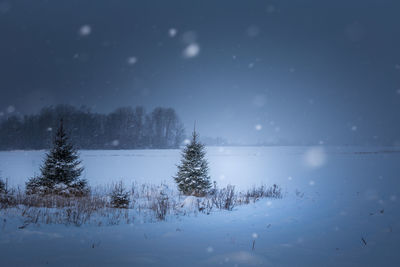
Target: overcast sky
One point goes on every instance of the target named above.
(249, 71)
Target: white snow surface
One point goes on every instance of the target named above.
(190, 202)
(354, 195)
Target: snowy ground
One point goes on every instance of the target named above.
(343, 195)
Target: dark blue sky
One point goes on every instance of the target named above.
(250, 71)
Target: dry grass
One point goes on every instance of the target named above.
(147, 201)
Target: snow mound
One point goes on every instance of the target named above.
(190, 203)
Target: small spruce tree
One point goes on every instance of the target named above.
(119, 196)
(2, 186)
(6, 197)
(192, 177)
(61, 170)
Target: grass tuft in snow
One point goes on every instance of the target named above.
(114, 204)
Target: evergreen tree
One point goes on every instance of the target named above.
(2, 186)
(119, 196)
(192, 177)
(5, 197)
(61, 170)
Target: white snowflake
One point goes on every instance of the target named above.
(258, 127)
(311, 183)
(210, 249)
(254, 235)
(189, 37)
(271, 9)
(85, 30)
(10, 109)
(315, 157)
(354, 128)
(4, 7)
(115, 142)
(132, 60)
(172, 32)
(253, 31)
(192, 50)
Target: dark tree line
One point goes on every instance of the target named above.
(124, 128)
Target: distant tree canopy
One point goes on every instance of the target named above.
(124, 128)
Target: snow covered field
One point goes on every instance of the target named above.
(335, 199)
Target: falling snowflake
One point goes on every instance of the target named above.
(290, 178)
(254, 235)
(258, 127)
(355, 32)
(269, 203)
(10, 109)
(189, 37)
(210, 249)
(115, 142)
(132, 60)
(85, 30)
(315, 157)
(354, 128)
(192, 50)
(4, 7)
(172, 32)
(311, 183)
(49, 129)
(186, 141)
(398, 91)
(271, 9)
(253, 31)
